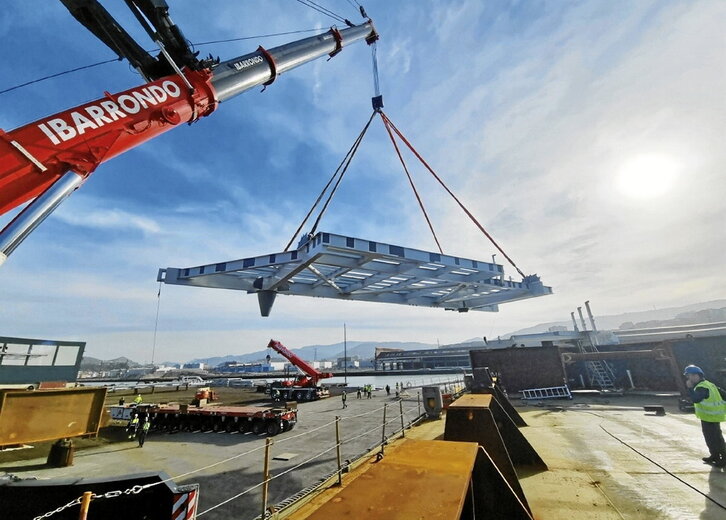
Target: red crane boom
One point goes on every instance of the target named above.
(311, 377)
(48, 159)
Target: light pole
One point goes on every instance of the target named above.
(345, 354)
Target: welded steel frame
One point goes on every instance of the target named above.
(336, 266)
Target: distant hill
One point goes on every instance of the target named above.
(362, 349)
(630, 319)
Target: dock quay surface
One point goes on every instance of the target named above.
(607, 459)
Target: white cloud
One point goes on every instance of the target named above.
(109, 219)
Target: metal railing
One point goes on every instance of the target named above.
(403, 418)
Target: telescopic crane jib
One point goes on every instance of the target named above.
(46, 160)
(311, 376)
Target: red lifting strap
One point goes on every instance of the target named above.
(410, 180)
(272, 65)
(338, 41)
(461, 205)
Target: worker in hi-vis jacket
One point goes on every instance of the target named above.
(710, 407)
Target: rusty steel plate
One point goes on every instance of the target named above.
(472, 401)
(418, 480)
(45, 415)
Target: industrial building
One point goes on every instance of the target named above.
(634, 358)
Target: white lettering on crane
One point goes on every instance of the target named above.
(51, 135)
(112, 109)
(58, 129)
(130, 104)
(82, 122)
(171, 88)
(61, 128)
(240, 65)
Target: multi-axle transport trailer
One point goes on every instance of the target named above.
(242, 419)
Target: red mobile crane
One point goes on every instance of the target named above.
(305, 386)
(48, 159)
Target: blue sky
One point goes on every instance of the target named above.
(586, 136)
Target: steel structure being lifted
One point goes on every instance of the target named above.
(346, 268)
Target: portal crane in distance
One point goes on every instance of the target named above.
(45, 161)
(305, 386)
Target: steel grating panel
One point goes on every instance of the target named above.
(336, 266)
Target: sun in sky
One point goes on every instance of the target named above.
(647, 176)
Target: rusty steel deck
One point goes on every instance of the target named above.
(420, 479)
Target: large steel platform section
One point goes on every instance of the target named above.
(346, 268)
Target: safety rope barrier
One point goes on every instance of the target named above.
(362, 414)
(139, 488)
(395, 418)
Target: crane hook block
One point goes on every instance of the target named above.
(377, 102)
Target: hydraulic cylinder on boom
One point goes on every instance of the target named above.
(46, 160)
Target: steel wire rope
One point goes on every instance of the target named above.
(362, 414)
(250, 451)
(285, 472)
(228, 459)
(342, 173)
(396, 418)
(461, 205)
(344, 165)
(322, 193)
(705, 495)
(304, 433)
(410, 180)
(266, 481)
(232, 498)
(319, 8)
(719, 504)
(69, 71)
(242, 38)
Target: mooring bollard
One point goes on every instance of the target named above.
(266, 477)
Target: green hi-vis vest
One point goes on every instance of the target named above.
(713, 408)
